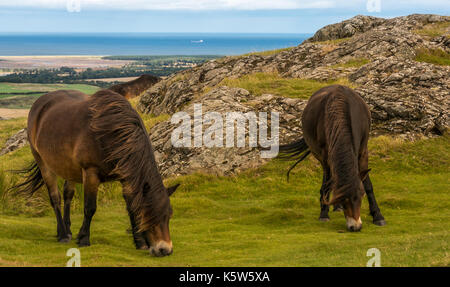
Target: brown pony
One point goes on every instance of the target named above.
(91, 140)
(135, 87)
(336, 125)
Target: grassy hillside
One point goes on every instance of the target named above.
(273, 83)
(253, 219)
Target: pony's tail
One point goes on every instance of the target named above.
(32, 180)
(298, 150)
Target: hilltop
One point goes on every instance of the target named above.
(399, 66)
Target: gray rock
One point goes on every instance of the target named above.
(20, 139)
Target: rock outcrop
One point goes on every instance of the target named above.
(223, 160)
(406, 97)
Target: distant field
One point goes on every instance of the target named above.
(17, 96)
(122, 79)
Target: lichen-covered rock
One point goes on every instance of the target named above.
(224, 160)
(20, 139)
(347, 28)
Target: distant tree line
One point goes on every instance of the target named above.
(154, 65)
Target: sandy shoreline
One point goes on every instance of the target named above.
(58, 61)
(13, 113)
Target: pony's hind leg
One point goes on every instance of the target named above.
(91, 183)
(50, 180)
(69, 191)
(378, 218)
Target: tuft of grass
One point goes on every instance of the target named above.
(148, 119)
(435, 29)
(433, 56)
(352, 63)
(273, 83)
(333, 42)
(268, 53)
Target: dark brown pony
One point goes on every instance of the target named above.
(91, 140)
(135, 87)
(336, 125)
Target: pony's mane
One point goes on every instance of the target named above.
(342, 159)
(127, 148)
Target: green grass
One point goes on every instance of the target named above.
(352, 63)
(433, 56)
(255, 218)
(435, 29)
(272, 83)
(24, 101)
(269, 52)
(333, 41)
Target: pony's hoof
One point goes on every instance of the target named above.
(84, 244)
(380, 222)
(324, 219)
(64, 240)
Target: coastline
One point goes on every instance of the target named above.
(58, 61)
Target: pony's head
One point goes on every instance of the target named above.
(155, 217)
(350, 198)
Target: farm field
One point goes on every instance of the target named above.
(255, 218)
(23, 95)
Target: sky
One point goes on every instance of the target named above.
(197, 16)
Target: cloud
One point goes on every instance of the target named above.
(215, 4)
(170, 4)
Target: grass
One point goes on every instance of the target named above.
(269, 52)
(435, 29)
(352, 63)
(333, 42)
(272, 83)
(433, 56)
(25, 101)
(255, 218)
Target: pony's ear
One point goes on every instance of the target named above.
(172, 189)
(364, 174)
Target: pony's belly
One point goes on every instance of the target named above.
(65, 170)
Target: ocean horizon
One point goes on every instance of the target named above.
(58, 44)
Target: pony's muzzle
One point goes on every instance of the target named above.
(162, 248)
(354, 225)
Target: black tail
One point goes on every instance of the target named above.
(298, 150)
(32, 180)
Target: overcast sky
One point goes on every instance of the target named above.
(209, 16)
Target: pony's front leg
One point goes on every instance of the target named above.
(69, 191)
(139, 240)
(378, 218)
(91, 183)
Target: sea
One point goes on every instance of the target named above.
(39, 44)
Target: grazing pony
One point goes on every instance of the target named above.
(336, 125)
(91, 140)
(135, 87)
